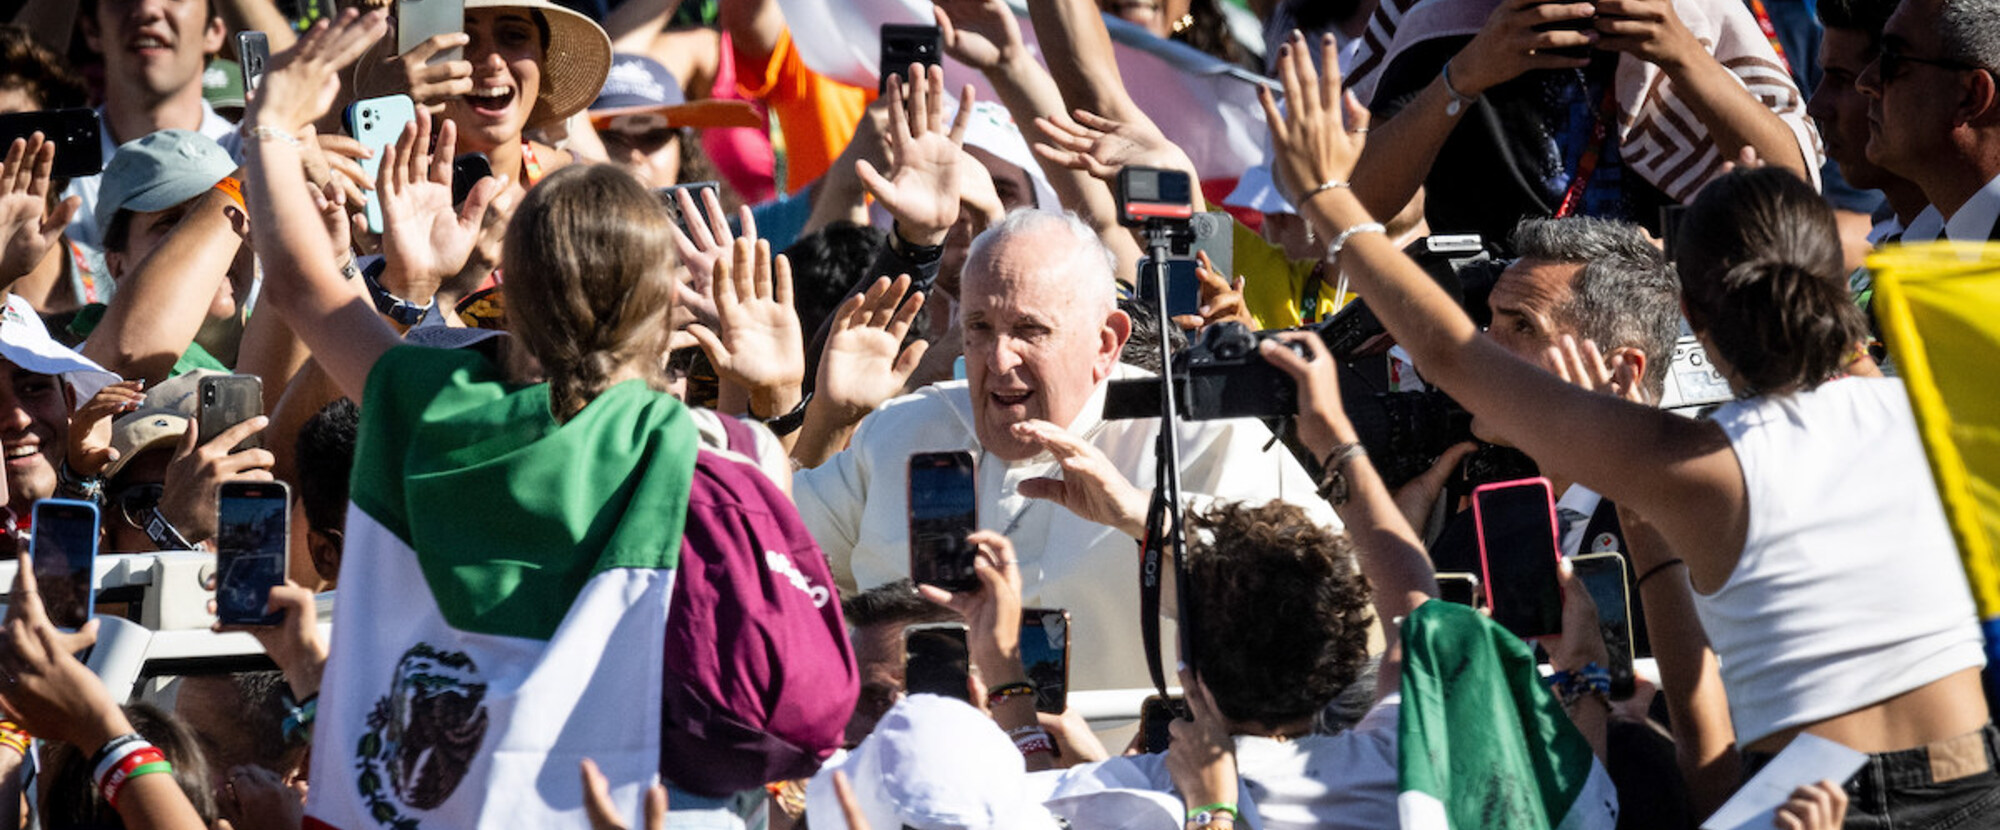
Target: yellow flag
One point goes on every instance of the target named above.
(1939, 308)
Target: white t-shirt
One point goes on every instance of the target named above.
(1320, 782)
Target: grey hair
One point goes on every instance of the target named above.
(1091, 266)
(1625, 296)
(1970, 31)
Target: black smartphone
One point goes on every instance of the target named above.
(670, 197)
(1607, 579)
(936, 662)
(1462, 588)
(1516, 523)
(253, 50)
(252, 531)
(1183, 286)
(1045, 656)
(228, 400)
(64, 545)
(903, 45)
(943, 511)
(466, 171)
(1154, 715)
(75, 132)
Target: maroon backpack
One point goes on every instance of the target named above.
(759, 677)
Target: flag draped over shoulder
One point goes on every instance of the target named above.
(1205, 105)
(1483, 742)
(1939, 308)
(503, 600)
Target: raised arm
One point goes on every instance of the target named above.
(301, 283)
(1681, 473)
(163, 300)
(1073, 36)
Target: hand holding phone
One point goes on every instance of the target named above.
(1156, 715)
(420, 20)
(228, 400)
(253, 50)
(253, 530)
(377, 123)
(1605, 578)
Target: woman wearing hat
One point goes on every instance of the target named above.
(528, 64)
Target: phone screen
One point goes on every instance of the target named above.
(252, 530)
(1154, 716)
(903, 45)
(936, 662)
(76, 133)
(1517, 548)
(1461, 588)
(65, 548)
(1183, 287)
(1045, 655)
(943, 511)
(1604, 576)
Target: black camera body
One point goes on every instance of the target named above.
(1220, 375)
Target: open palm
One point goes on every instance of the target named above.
(981, 34)
(756, 342)
(921, 190)
(31, 228)
(865, 362)
(424, 238)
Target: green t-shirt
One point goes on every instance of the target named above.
(195, 357)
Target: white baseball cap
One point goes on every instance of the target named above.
(25, 342)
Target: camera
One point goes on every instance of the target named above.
(1220, 375)
(1150, 194)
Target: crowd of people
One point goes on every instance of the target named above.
(594, 330)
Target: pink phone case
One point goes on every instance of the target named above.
(1479, 528)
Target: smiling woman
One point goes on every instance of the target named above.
(534, 63)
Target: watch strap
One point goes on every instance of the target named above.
(789, 422)
(395, 308)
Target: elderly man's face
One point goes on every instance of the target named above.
(1913, 107)
(1036, 344)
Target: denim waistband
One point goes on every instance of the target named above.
(1936, 762)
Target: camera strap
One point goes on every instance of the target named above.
(1152, 556)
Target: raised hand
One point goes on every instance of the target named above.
(31, 228)
(1517, 38)
(756, 342)
(992, 612)
(425, 240)
(1201, 760)
(1580, 364)
(1322, 422)
(89, 449)
(604, 814)
(1221, 298)
(702, 248)
(1101, 146)
(1646, 29)
(293, 644)
(195, 475)
(921, 189)
(982, 34)
(301, 83)
(1091, 486)
(1318, 138)
(428, 84)
(865, 362)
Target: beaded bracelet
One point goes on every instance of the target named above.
(1571, 686)
(1008, 691)
(299, 721)
(1037, 741)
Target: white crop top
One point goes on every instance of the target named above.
(1849, 590)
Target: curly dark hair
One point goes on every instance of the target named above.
(1282, 611)
(37, 71)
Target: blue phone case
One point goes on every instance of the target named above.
(377, 123)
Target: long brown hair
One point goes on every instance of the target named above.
(590, 279)
(1761, 272)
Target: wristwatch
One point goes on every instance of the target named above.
(1333, 483)
(789, 422)
(391, 306)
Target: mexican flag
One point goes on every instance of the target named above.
(1482, 741)
(503, 600)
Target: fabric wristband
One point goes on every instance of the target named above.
(233, 188)
(114, 780)
(1039, 741)
(1218, 807)
(124, 775)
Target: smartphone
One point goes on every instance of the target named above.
(1154, 716)
(253, 50)
(377, 123)
(670, 197)
(1518, 552)
(228, 400)
(903, 45)
(76, 132)
(1183, 287)
(1607, 579)
(943, 511)
(64, 545)
(936, 662)
(1045, 655)
(252, 529)
(466, 171)
(1462, 588)
(421, 20)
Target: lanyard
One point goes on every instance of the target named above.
(1770, 32)
(1586, 164)
(531, 169)
(1309, 301)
